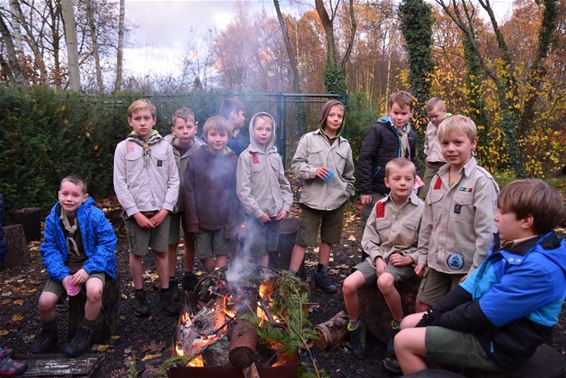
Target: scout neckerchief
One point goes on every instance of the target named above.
(72, 246)
(146, 145)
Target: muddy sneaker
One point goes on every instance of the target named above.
(10, 367)
(391, 364)
(190, 281)
(167, 305)
(140, 305)
(46, 340)
(358, 340)
(80, 343)
(324, 282)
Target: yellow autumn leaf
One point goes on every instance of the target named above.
(4, 332)
(18, 302)
(151, 356)
(101, 347)
(115, 337)
(17, 317)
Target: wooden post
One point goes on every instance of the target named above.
(17, 251)
(333, 331)
(243, 344)
(107, 320)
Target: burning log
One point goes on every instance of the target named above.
(333, 331)
(243, 344)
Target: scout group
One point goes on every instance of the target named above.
(494, 271)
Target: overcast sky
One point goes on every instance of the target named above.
(163, 31)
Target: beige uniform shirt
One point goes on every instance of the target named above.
(315, 151)
(457, 228)
(390, 229)
(145, 182)
(432, 148)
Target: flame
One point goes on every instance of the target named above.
(198, 361)
(226, 306)
(180, 352)
(284, 359)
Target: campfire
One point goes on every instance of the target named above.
(218, 327)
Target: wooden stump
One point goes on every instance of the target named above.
(333, 331)
(107, 320)
(30, 219)
(373, 309)
(17, 252)
(243, 344)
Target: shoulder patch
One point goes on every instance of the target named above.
(255, 159)
(380, 209)
(437, 183)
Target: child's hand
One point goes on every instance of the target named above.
(79, 277)
(419, 270)
(322, 173)
(380, 266)
(282, 215)
(399, 260)
(142, 221)
(418, 182)
(264, 218)
(158, 218)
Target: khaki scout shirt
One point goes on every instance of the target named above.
(432, 149)
(390, 229)
(145, 183)
(314, 151)
(457, 228)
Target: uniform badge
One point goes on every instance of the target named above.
(160, 163)
(255, 159)
(457, 209)
(455, 261)
(380, 210)
(437, 183)
(464, 189)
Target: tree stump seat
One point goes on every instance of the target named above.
(107, 320)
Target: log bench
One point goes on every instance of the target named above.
(17, 252)
(107, 320)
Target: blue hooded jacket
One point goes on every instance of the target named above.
(98, 237)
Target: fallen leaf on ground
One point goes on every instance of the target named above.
(6, 293)
(115, 337)
(101, 348)
(151, 356)
(4, 332)
(352, 238)
(17, 317)
(18, 302)
(152, 347)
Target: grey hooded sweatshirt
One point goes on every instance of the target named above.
(261, 184)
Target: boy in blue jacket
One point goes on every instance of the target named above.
(78, 248)
(508, 306)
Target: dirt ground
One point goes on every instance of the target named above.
(140, 345)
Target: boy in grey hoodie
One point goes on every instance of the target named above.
(269, 199)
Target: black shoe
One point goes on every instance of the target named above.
(190, 281)
(167, 305)
(80, 343)
(140, 305)
(46, 340)
(358, 340)
(174, 288)
(391, 364)
(324, 282)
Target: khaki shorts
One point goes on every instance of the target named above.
(56, 287)
(435, 284)
(328, 222)
(141, 239)
(212, 243)
(454, 348)
(261, 238)
(177, 221)
(399, 273)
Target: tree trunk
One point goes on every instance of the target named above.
(14, 73)
(94, 42)
(17, 252)
(72, 46)
(18, 40)
(120, 51)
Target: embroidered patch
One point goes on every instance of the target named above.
(457, 209)
(380, 210)
(160, 163)
(455, 261)
(464, 189)
(255, 159)
(437, 183)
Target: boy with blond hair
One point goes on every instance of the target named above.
(390, 241)
(390, 137)
(211, 204)
(184, 140)
(436, 111)
(509, 305)
(78, 249)
(263, 189)
(457, 226)
(146, 182)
